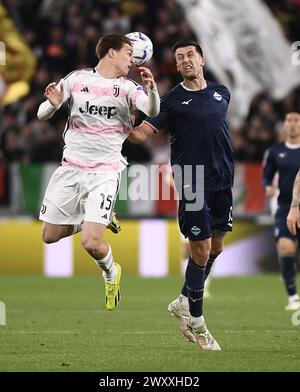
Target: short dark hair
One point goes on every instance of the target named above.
(187, 42)
(111, 41)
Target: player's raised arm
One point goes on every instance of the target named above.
(55, 95)
(293, 218)
(148, 103)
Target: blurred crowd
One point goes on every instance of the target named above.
(63, 35)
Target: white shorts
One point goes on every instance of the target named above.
(74, 196)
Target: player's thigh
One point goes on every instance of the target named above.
(62, 200)
(286, 246)
(52, 232)
(102, 193)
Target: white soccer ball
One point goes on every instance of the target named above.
(142, 47)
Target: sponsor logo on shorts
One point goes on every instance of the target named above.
(43, 209)
(195, 230)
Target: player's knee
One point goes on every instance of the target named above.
(89, 244)
(200, 255)
(94, 247)
(286, 247)
(48, 237)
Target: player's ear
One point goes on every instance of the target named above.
(111, 53)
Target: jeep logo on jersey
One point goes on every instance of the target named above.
(104, 111)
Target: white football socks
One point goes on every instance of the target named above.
(108, 266)
(196, 322)
(77, 228)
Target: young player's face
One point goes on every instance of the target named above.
(292, 125)
(189, 62)
(123, 59)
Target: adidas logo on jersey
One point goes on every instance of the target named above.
(85, 90)
(104, 111)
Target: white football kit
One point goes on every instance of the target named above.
(85, 186)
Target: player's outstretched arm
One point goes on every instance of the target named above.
(148, 103)
(293, 218)
(141, 133)
(55, 98)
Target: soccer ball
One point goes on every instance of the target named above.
(142, 47)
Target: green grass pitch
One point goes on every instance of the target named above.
(62, 325)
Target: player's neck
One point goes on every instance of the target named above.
(293, 141)
(106, 70)
(198, 83)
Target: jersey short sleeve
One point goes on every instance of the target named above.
(133, 90)
(161, 119)
(68, 82)
(223, 90)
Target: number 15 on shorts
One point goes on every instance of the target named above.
(105, 201)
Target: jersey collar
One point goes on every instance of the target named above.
(292, 146)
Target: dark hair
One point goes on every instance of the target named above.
(111, 41)
(187, 42)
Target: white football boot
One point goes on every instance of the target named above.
(203, 337)
(294, 303)
(180, 311)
